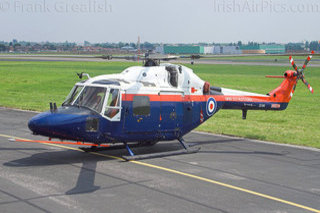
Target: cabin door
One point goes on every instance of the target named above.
(171, 114)
(141, 116)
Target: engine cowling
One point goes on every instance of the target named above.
(290, 74)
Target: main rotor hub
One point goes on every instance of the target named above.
(149, 62)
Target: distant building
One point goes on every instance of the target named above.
(230, 50)
(226, 50)
(273, 48)
(217, 50)
(208, 49)
(183, 49)
(263, 49)
(197, 49)
(128, 48)
(159, 49)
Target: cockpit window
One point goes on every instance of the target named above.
(113, 103)
(92, 97)
(72, 95)
(172, 75)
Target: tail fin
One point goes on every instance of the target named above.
(284, 92)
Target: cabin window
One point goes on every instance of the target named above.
(73, 95)
(113, 103)
(141, 105)
(92, 124)
(91, 97)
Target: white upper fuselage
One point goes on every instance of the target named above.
(155, 79)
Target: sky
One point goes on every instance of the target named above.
(163, 21)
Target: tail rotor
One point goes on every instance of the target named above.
(299, 72)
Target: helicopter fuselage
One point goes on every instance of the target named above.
(147, 104)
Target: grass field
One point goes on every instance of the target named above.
(32, 85)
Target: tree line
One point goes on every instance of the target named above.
(69, 46)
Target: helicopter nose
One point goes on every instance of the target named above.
(32, 124)
(56, 125)
(39, 122)
(70, 123)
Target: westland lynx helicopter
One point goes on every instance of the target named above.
(146, 104)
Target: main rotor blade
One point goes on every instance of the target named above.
(307, 61)
(109, 57)
(163, 57)
(192, 56)
(307, 84)
(142, 57)
(293, 64)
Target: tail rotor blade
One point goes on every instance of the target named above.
(293, 64)
(307, 61)
(307, 84)
(294, 87)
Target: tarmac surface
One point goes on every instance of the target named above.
(261, 62)
(227, 175)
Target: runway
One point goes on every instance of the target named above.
(227, 175)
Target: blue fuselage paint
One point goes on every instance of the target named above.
(166, 121)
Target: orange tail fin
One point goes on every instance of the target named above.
(284, 92)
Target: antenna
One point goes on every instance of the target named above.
(138, 47)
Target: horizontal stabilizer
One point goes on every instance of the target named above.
(274, 76)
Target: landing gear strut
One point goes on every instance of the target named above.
(186, 150)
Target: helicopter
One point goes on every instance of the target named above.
(146, 104)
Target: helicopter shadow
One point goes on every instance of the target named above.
(86, 179)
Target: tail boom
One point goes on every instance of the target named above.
(277, 99)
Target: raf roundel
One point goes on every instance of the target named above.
(211, 106)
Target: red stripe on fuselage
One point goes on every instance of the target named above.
(171, 98)
(200, 98)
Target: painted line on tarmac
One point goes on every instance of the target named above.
(258, 194)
